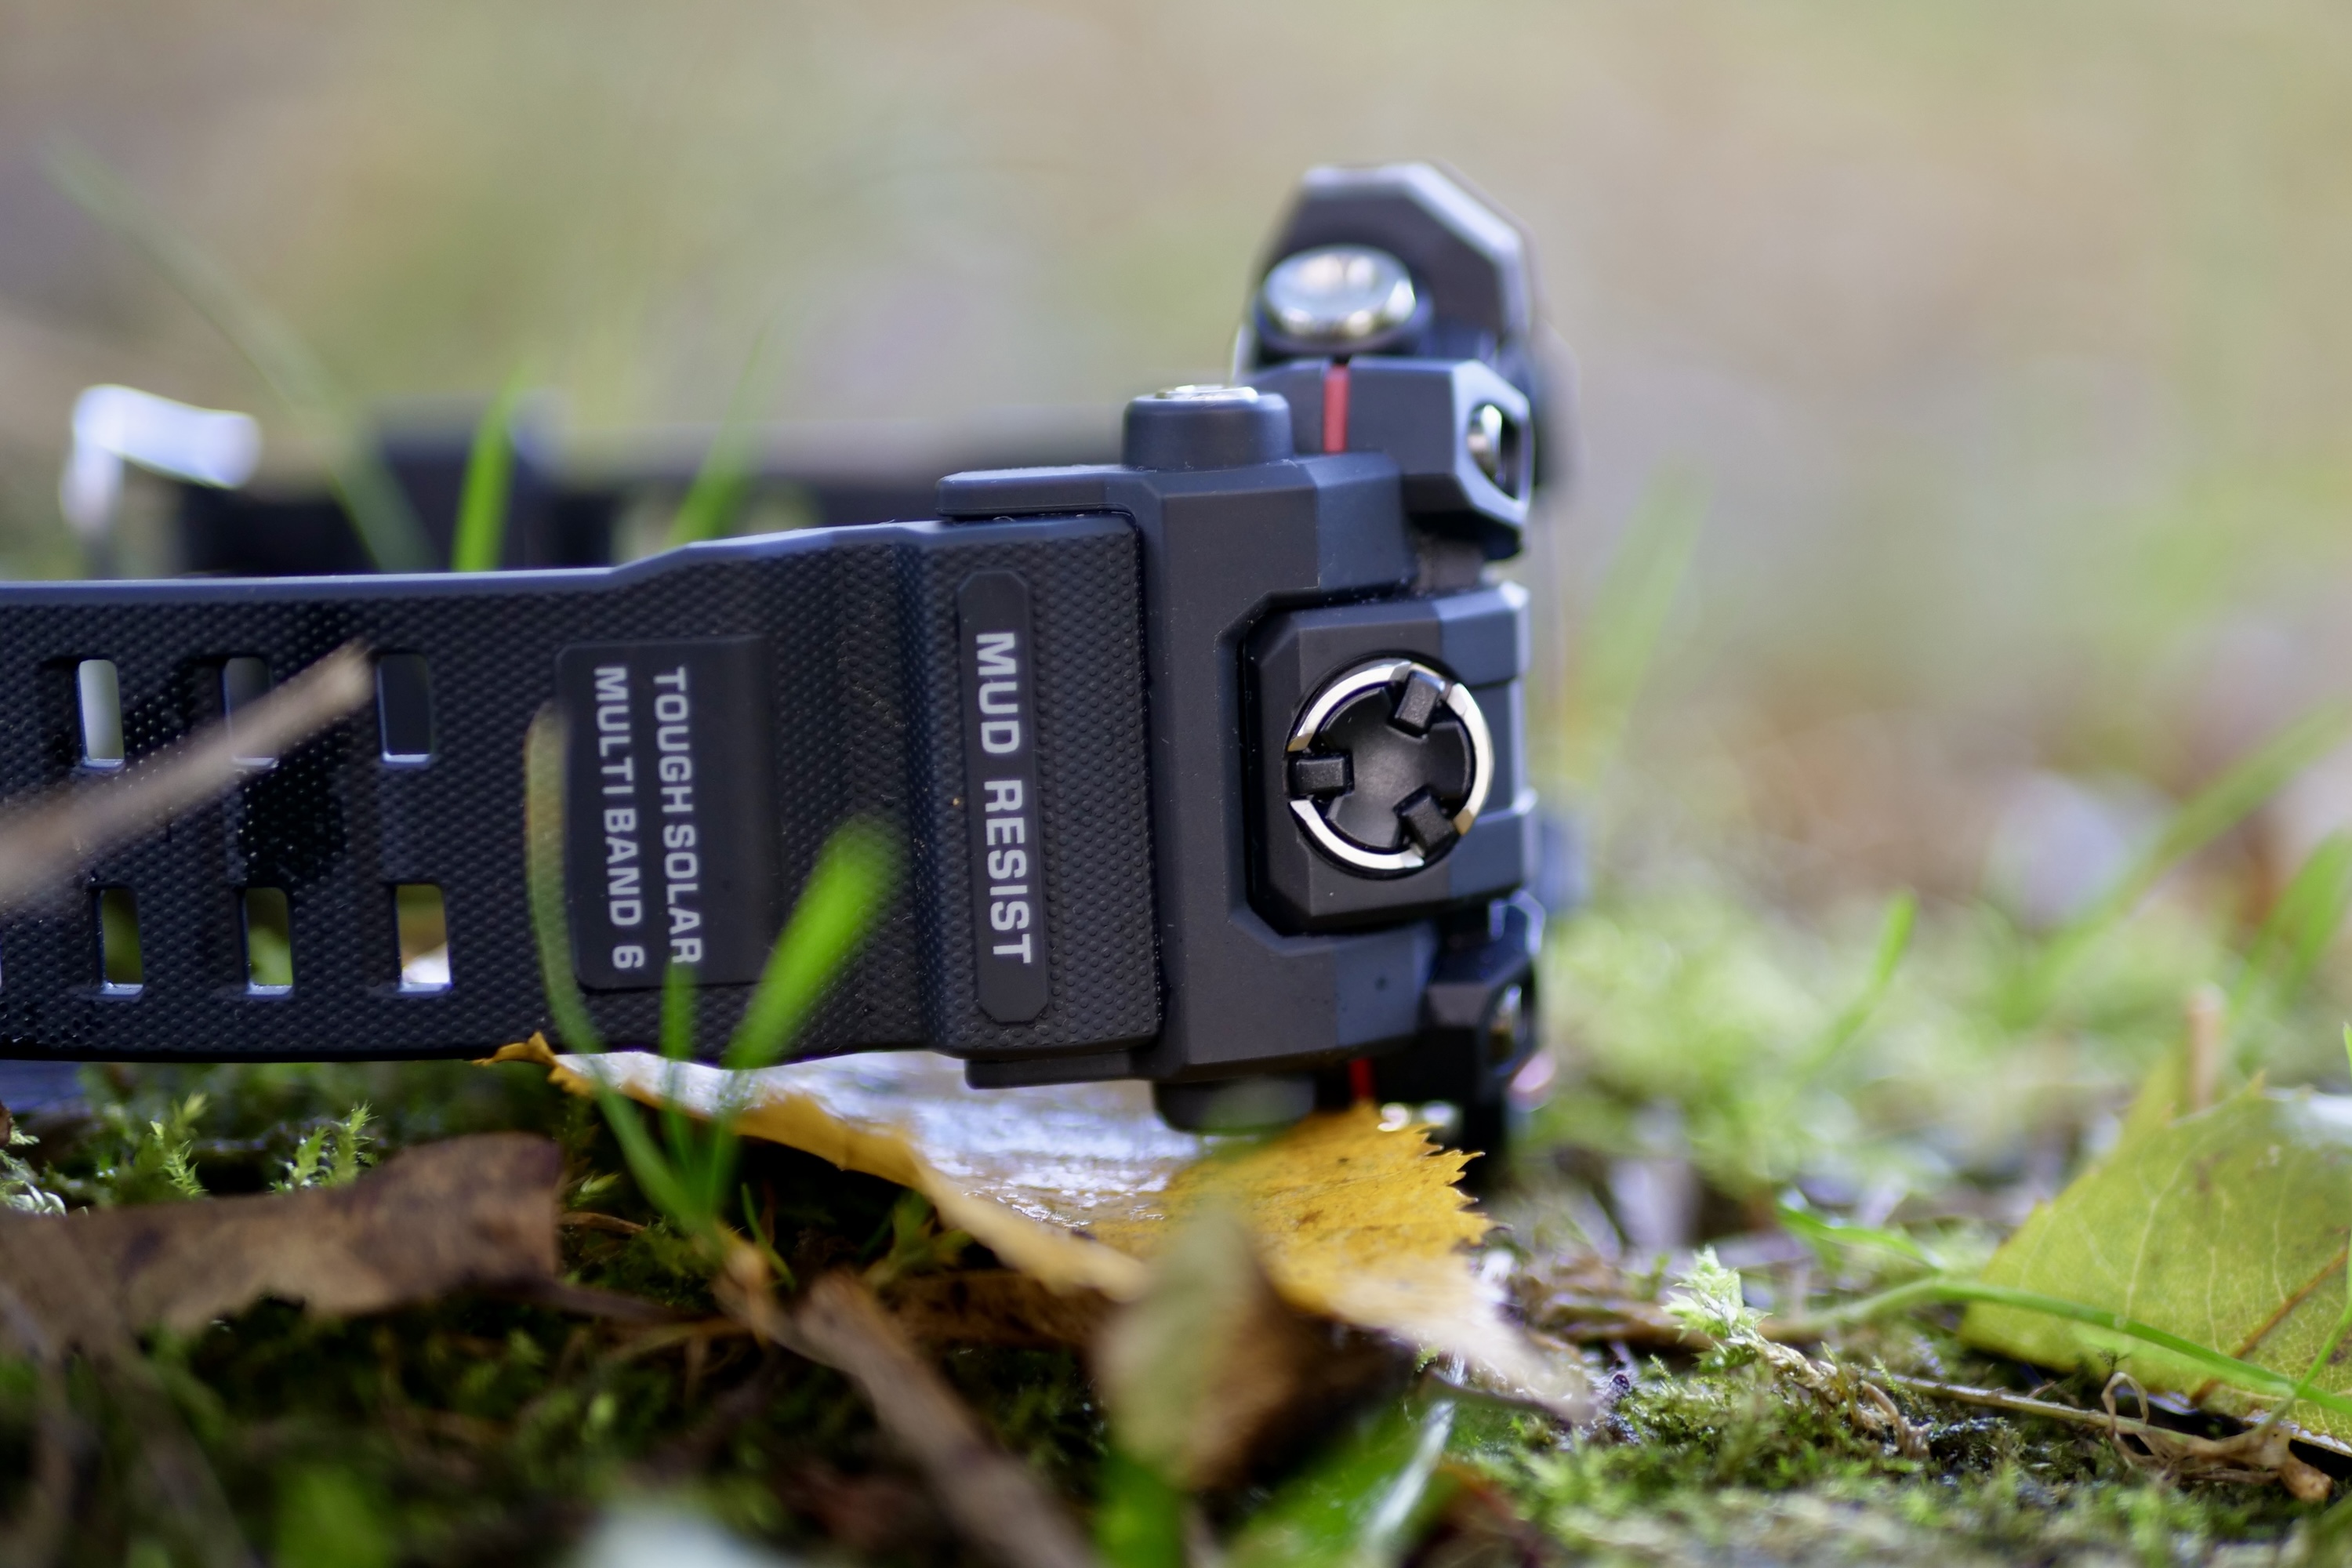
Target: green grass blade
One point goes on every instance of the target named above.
(1354, 1507)
(1628, 615)
(846, 888)
(723, 482)
(544, 881)
(543, 816)
(1823, 1233)
(2210, 813)
(1894, 941)
(481, 537)
(378, 509)
(677, 1047)
(2287, 949)
(1140, 1522)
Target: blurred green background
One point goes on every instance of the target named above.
(2008, 344)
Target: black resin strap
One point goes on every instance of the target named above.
(825, 670)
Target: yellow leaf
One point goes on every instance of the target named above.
(1076, 1185)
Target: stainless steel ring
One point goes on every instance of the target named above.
(1353, 683)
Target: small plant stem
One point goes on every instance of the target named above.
(2242, 1375)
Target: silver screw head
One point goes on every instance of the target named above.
(1485, 439)
(1205, 392)
(1337, 294)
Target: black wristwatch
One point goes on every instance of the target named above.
(1208, 767)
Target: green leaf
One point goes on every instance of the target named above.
(2226, 1229)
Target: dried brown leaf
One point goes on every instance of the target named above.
(471, 1212)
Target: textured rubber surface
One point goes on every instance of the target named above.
(861, 626)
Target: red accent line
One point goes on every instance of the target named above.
(1335, 407)
(1359, 1074)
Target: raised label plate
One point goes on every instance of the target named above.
(994, 642)
(670, 835)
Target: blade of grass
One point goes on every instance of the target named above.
(481, 537)
(2212, 811)
(1768, 1112)
(543, 879)
(1352, 1507)
(388, 530)
(1806, 1226)
(1620, 638)
(678, 1047)
(722, 483)
(848, 884)
(2309, 912)
(1894, 941)
(851, 879)
(1140, 1522)
(846, 888)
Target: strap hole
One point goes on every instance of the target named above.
(424, 925)
(120, 971)
(269, 943)
(245, 681)
(404, 707)
(100, 693)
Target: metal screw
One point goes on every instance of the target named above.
(1337, 294)
(1205, 392)
(1485, 439)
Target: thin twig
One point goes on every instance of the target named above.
(589, 1219)
(46, 843)
(991, 1497)
(2026, 1404)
